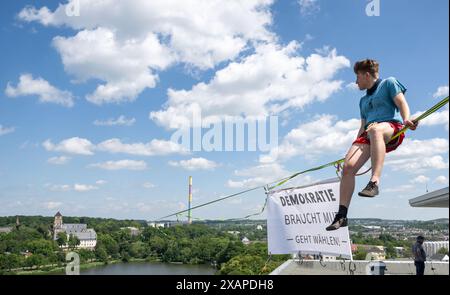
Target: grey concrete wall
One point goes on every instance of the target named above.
(359, 267)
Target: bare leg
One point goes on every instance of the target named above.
(379, 134)
(356, 157)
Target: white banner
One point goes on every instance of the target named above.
(297, 218)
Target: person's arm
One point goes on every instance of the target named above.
(402, 105)
(418, 252)
(361, 129)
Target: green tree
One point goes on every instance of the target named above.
(233, 249)
(172, 253)
(10, 261)
(73, 241)
(111, 246)
(86, 255)
(138, 250)
(157, 245)
(360, 254)
(101, 254)
(443, 251)
(44, 231)
(390, 251)
(148, 233)
(259, 249)
(187, 257)
(61, 239)
(125, 256)
(35, 260)
(41, 246)
(243, 265)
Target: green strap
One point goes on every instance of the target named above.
(423, 116)
(306, 171)
(214, 201)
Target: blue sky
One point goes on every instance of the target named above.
(138, 69)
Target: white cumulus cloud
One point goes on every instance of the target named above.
(83, 187)
(308, 141)
(420, 179)
(59, 160)
(195, 164)
(124, 66)
(121, 165)
(400, 189)
(68, 187)
(121, 121)
(352, 86)
(308, 7)
(82, 146)
(264, 174)
(47, 93)
(154, 147)
(74, 145)
(6, 130)
(58, 187)
(441, 92)
(437, 118)
(126, 46)
(267, 82)
(148, 185)
(411, 148)
(418, 156)
(418, 165)
(441, 179)
(52, 205)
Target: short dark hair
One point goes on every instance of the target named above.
(370, 66)
(420, 238)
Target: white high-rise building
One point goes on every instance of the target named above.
(432, 248)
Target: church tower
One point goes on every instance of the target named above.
(58, 221)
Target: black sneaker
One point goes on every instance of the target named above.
(338, 222)
(370, 191)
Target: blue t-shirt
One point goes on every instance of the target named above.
(380, 106)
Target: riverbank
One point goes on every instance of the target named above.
(61, 270)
